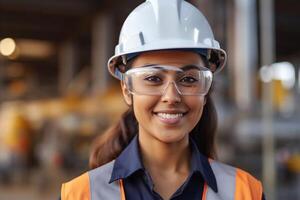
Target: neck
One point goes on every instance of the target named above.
(165, 157)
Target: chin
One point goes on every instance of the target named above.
(171, 137)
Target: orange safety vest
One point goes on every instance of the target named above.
(233, 184)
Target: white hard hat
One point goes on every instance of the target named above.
(166, 24)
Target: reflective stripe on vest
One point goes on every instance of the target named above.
(233, 184)
(99, 186)
(226, 182)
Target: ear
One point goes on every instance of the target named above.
(126, 94)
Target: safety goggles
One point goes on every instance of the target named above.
(155, 79)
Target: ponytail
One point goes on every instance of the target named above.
(204, 132)
(109, 145)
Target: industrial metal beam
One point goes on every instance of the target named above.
(62, 7)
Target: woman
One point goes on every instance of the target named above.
(163, 146)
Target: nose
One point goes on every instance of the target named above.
(171, 94)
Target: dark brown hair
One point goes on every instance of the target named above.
(109, 145)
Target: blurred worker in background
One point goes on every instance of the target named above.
(16, 144)
(163, 146)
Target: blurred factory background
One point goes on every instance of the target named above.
(56, 94)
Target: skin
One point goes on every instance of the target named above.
(165, 147)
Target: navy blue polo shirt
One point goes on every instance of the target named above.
(139, 186)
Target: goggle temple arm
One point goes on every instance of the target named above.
(119, 74)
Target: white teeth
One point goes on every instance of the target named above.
(169, 116)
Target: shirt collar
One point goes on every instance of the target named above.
(129, 162)
(200, 163)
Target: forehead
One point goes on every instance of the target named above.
(176, 58)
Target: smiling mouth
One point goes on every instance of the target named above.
(170, 118)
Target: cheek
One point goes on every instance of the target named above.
(143, 106)
(196, 107)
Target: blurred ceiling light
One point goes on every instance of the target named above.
(7, 46)
(35, 48)
(265, 74)
(283, 71)
(15, 54)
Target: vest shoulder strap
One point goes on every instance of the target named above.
(247, 186)
(99, 183)
(92, 185)
(225, 177)
(76, 189)
(233, 184)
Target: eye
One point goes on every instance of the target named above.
(188, 80)
(153, 79)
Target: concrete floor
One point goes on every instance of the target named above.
(43, 185)
(27, 193)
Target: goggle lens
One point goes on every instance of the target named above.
(153, 80)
